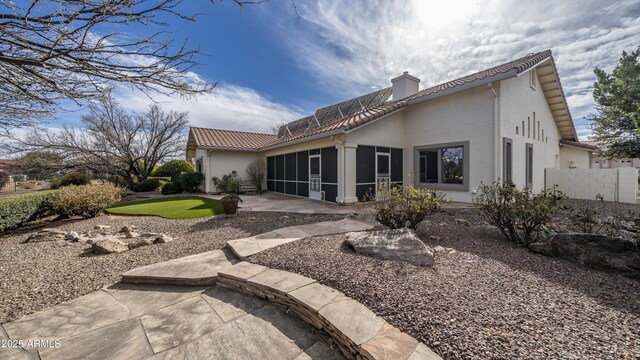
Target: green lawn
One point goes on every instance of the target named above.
(175, 207)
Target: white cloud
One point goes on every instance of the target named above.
(351, 46)
(229, 107)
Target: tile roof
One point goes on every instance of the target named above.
(255, 141)
(217, 138)
(579, 144)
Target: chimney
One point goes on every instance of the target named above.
(404, 85)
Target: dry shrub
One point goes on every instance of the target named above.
(86, 200)
(405, 206)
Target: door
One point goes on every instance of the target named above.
(315, 176)
(383, 166)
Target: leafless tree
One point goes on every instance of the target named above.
(257, 171)
(52, 50)
(112, 142)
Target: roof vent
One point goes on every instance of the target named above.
(404, 85)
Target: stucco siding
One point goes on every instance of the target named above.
(386, 131)
(223, 162)
(466, 116)
(572, 158)
(518, 103)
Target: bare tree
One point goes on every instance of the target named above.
(257, 171)
(75, 49)
(112, 142)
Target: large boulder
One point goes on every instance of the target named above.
(46, 235)
(109, 246)
(593, 250)
(394, 244)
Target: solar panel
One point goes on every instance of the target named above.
(332, 113)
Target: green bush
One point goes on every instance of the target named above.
(19, 209)
(229, 184)
(191, 181)
(173, 169)
(171, 188)
(70, 179)
(521, 215)
(86, 200)
(150, 184)
(406, 206)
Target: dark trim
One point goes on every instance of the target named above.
(528, 166)
(466, 160)
(507, 164)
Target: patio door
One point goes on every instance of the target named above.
(383, 166)
(315, 176)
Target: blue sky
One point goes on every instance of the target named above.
(273, 64)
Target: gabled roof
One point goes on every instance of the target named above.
(227, 139)
(335, 120)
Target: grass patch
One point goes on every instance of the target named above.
(175, 207)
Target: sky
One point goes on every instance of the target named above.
(280, 60)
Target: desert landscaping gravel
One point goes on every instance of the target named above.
(36, 276)
(485, 298)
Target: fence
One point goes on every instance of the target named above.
(619, 184)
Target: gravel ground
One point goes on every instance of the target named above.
(488, 299)
(36, 276)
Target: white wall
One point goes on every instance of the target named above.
(466, 116)
(221, 162)
(518, 102)
(574, 158)
(613, 184)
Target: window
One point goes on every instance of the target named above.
(443, 166)
(199, 166)
(532, 79)
(507, 155)
(529, 166)
(522, 127)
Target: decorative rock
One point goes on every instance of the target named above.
(109, 246)
(127, 228)
(593, 250)
(394, 244)
(462, 222)
(72, 236)
(139, 243)
(435, 237)
(102, 227)
(46, 235)
(162, 239)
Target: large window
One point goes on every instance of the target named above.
(444, 166)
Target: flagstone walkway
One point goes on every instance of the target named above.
(213, 306)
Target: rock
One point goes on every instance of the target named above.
(127, 228)
(435, 237)
(593, 250)
(394, 244)
(102, 227)
(72, 236)
(162, 238)
(140, 242)
(442, 249)
(46, 235)
(109, 246)
(149, 234)
(462, 222)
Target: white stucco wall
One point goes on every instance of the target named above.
(387, 131)
(612, 184)
(518, 102)
(466, 116)
(574, 158)
(221, 162)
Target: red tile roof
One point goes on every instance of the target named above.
(216, 138)
(254, 141)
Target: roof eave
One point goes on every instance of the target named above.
(304, 139)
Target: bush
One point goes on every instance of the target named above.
(229, 184)
(257, 171)
(150, 184)
(405, 206)
(190, 181)
(70, 179)
(19, 209)
(173, 169)
(171, 188)
(86, 200)
(4, 178)
(521, 215)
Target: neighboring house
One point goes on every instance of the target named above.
(507, 122)
(601, 162)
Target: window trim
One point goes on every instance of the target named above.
(528, 163)
(439, 185)
(506, 164)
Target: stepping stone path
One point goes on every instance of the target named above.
(208, 306)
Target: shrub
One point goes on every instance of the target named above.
(4, 178)
(70, 179)
(19, 209)
(406, 206)
(257, 171)
(86, 200)
(190, 181)
(520, 215)
(229, 184)
(173, 169)
(171, 188)
(150, 184)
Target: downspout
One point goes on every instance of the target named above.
(496, 134)
(344, 167)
